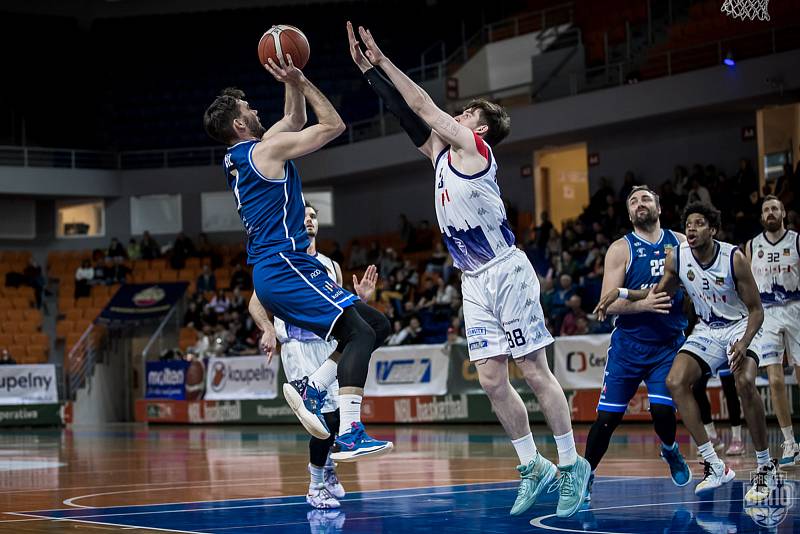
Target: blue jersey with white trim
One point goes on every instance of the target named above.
(272, 209)
(645, 269)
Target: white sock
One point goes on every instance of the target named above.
(711, 430)
(323, 377)
(349, 412)
(762, 457)
(708, 452)
(737, 432)
(788, 433)
(525, 447)
(316, 474)
(567, 455)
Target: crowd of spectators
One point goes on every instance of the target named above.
(419, 289)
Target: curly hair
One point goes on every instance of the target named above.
(709, 212)
(218, 118)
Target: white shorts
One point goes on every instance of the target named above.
(712, 345)
(302, 358)
(502, 311)
(780, 334)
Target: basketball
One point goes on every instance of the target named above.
(281, 40)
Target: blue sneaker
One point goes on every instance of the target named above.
(678, 470)
(356, 444)
(536, 476)
(306, 402)
(588, 498)
(573, 482)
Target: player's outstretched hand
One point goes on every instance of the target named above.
(605, 301)
(267, 343)
(657, 302)
(737, 353)
(366, 287)
(359, 59)
(374, 54)
(286, 72)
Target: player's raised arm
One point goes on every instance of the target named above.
(459, 137)
(748, 291)
(420, 133)
(294, 113)
(283, 146)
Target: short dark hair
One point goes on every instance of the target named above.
(218, 118)
(711, 214)
(773, 197)
(312, 206)
(495, 118)
(638, 188)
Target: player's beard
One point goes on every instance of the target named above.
(645, 221)
(771, 225)
(254, 126)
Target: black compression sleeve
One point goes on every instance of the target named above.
(416, 128)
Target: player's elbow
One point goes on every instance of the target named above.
(297, 120)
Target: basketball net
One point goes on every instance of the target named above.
(746, 9)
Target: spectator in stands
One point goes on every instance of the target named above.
(423, 238)
(240, 279)
(238, 302)
(83, 277)
(546, 295)
(107, 271)
(193, 317)
(388, 263)
(6, 358)
(785, 186)
(406, 230)
(698, 192)
(408, 335)
(358, 256)
(149, 247)
(544, 231)
(120, 271)
(435, 263)
(220, 303)
(558, 305)
(134, 250)
(447, 294)
(374, 254)
(427, 296)
(745, 180)
(569, 326)
(680, 182)
(182, 249)
(569, 265)
(206, 281)
(35, 279)
(205, 250)
(115, 249)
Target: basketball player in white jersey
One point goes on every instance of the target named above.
(775, 259)
(503, 315)
(718, 279)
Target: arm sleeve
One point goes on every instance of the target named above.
(415, 127)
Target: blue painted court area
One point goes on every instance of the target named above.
(620, 505)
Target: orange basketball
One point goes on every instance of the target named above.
(281, 40)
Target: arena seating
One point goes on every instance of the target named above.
(20, 321)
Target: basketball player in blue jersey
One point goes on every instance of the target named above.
(503, 315)
(718, 280)
(647, 333)
(289, 282)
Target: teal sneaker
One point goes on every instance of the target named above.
(536, 476)
(678, 470)
(573, 482)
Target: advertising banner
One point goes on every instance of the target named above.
(242, 377)
(28, 384)
(408, 370)
(31, 415)
(166, 380)
(580, 361)
(139, 302)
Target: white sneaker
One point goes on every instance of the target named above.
(764, 481)
(319, 497)
(791, 454)
(714, 476)
(332, 483)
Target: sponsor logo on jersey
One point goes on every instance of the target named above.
(720, 281)
(513, 321)
(478, 331)
(760, 253)
(316, 273)
(787, 252)
(690, 275)
(657, 252)
(329, 287)
(640, 252)
(480, 344)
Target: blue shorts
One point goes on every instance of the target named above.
(296, 287)
(629, 363)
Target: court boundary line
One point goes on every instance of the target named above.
(83, 521)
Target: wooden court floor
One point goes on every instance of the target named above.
(440, 478)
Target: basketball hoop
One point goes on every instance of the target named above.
(746, 9)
